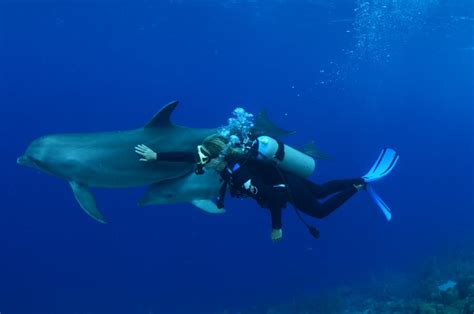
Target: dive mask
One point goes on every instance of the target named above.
(203, 157)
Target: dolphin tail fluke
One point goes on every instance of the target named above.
(208, 206)
(86, 199)
(312, 150)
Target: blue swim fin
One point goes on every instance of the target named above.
(380, 203)
(387, 160)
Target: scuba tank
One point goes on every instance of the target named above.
(285, 157)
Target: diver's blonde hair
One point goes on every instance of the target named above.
(218, 146)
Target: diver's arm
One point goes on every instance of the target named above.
(148, 154)
(221, 196)
(273, 196)
(275, 207)
(176, 156)
(275, 213)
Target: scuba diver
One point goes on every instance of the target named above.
(275, 174)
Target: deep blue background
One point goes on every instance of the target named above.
(86, 66)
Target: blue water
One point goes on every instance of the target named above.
(353, 76)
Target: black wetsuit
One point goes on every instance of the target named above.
(273, 188)
(176, 156)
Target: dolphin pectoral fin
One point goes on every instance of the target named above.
(86, 199)
(208, 206)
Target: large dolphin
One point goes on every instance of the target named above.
(108, 159)
(199, 190)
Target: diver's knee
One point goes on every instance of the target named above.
(318, 214)
(313, 211)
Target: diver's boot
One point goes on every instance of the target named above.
(360, 186)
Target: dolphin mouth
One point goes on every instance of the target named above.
(25, 161)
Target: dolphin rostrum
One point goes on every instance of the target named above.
(108, 159)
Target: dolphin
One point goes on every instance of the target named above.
(108, 160)
(198, 190)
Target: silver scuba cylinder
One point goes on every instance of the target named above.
(285, 157)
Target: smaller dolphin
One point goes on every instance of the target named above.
(198, 190)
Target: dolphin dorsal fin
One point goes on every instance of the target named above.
(162, 118)
(263, 126)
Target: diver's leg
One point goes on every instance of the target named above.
(334, 186)
(321, 210)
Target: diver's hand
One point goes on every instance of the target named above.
(146, 152)
(276, 235)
